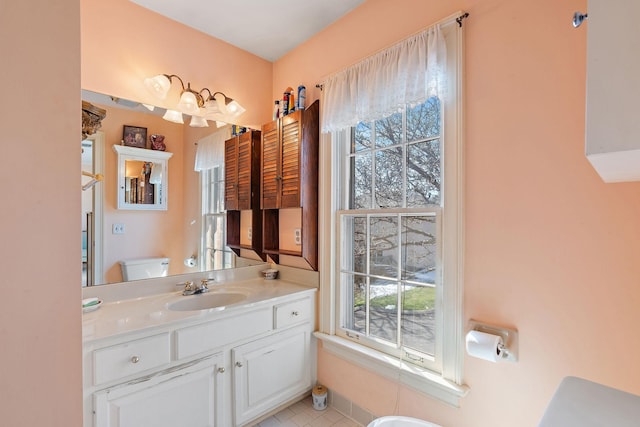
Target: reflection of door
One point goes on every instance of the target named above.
(92, 196)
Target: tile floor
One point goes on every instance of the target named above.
(302, 414)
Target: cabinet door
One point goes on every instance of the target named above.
(231, 174)
(290, 166)
(268, 372)
(191, 396)
(269, 184)
(244, 171)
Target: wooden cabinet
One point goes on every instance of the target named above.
(241, 190)
(290, 156)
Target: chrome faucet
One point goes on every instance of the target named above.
(191, 289)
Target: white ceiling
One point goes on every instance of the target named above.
(266, 28)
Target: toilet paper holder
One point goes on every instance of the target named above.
(509, 336)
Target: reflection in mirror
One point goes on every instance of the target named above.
(191, 232)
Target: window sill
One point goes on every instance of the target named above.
(419, 379)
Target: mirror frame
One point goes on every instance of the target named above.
(141, 154)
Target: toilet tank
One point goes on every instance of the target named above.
(144, 268)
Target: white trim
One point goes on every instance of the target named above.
(98, 209)
(419, 379)
(453, 248)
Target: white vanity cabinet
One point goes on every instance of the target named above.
(272, 370)
(184, 396)
(217, 370)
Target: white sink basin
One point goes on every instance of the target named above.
(207, 301)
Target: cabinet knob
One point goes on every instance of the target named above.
(294, 313)
(239, 364)
(135, 359)
(221, 370)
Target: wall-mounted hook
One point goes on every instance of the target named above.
(578, 19)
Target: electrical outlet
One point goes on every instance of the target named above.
(117, 228)
(249, 233)
(297, 236)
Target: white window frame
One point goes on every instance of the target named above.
(445, 384)
(213, 190)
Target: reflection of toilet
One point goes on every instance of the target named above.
(144, 268)
(397, 421)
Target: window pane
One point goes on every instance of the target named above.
(418, 314)
(423, 121)
(419, 249)
(355, 249)
(389, 131)
(361, 137)
(423, 173)
(389, 178)
(361, 175)
(354, 298)
(383, 249)
(383, 303)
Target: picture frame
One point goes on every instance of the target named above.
(134, 136)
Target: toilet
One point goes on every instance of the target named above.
(398, 421)
(144, 268)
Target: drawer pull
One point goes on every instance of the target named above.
(239, 364)
(221, 370)
(135, 359)
(295, 313)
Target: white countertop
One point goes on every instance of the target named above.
(142, 313)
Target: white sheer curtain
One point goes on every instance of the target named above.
(410, 72)
(210, 152)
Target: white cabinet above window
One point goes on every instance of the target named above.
(613, 89)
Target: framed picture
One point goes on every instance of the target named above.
(133, 136)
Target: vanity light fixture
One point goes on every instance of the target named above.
(201, 105)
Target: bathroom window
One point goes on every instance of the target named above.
(392, 302)
(390, 268)
(216, 254)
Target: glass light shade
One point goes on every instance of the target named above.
(235, 109)
(159, 85)
(211, 107)
(198, 122)
(173, 116)
(188, 103)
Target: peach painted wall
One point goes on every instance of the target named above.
(147, 233)
(40, 132)
(123, 43)
(550, 248)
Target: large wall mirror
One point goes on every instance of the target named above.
(189, 228)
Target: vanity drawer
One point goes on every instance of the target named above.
(121, 360)
(291, 313)
(218, 333)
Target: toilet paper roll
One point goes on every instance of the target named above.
(484, 346)
(190, 262)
